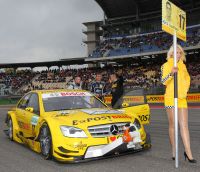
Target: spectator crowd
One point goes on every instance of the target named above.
(145, 75)
(156, 41)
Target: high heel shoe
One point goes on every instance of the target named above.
(190, 160)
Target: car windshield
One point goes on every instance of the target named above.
(69, 101)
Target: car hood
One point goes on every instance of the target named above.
(84, 118)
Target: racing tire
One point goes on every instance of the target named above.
(148, 138)
(45, 142)
(147, 142)
(10, 129)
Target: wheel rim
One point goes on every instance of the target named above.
(45, 142)
(10, 130)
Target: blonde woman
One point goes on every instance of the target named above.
(167, 79)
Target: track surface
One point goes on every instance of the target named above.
(17, 158)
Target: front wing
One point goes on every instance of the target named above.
(116, 148)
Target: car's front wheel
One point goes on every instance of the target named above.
(10, 129)
(46, 142)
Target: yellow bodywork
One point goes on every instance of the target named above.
(27, 125)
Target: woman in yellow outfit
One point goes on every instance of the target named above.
(167, 79)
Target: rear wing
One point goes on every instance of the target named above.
(140, 111)
(134, 103)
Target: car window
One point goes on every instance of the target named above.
(34, 103)
(24, 102)
(71, 102)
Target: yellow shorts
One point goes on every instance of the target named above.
(169, 103)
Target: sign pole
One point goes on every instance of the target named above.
(174, 23)
(175, 100)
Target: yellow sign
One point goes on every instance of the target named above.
(155, 98)
(127, 99)
(173, 19)
(193, 98)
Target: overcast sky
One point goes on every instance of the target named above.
(42, 30)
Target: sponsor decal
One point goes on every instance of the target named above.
(144, 118)
(113, 138)
(121, 116)
(80, 146)
(155, 98)
(101, 111)
(64, 94)
(23, 125)
(76, 122)
(34, 120)
(133, 99)
(107, 99)
(127, 99)
(193, 98)
(63, 113)
(73, 94)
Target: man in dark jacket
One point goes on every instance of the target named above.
(117, 90)
(98, 87)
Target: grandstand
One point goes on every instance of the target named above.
(129, 39)
(134, 28)
(131, 34)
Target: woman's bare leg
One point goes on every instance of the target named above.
(183, 124)
(170, 114)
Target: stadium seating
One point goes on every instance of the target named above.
(151, 42)
(15, 80)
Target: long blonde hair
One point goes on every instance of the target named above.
(170, 53)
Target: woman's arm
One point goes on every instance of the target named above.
(166, 75)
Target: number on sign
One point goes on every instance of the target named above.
(182, 21)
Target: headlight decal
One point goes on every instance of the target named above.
(68, 131)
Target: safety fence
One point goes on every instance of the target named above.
(130, 99)
(152, 99)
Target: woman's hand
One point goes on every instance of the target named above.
(174, 70)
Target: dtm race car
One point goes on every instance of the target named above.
(73, 126)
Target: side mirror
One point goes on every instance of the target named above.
(29, 109)
(124, 105)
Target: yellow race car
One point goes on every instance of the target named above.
(74, 125)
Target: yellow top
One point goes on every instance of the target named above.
(168, 80)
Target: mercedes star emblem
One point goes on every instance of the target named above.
(114, 129)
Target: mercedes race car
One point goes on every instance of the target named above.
(74, 126)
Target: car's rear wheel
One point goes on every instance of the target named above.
(46, 142)
(10, 129)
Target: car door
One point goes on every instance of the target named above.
(32, 114)
(21, 113)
